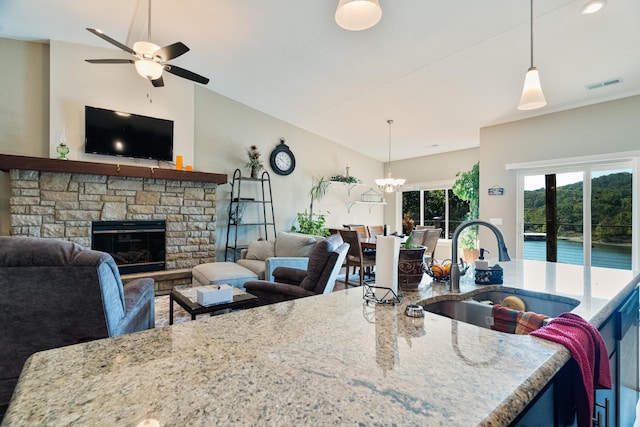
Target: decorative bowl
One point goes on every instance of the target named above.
(441, 271)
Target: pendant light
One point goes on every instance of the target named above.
(532, 96)
(389, 184)
(356, 15)
(593, 6)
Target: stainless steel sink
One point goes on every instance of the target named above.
(538, 302)
(472, 310)
(468, 311)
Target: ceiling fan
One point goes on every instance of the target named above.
(150, 59)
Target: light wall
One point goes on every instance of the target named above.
(224, 131)
(24, 108)
(76, 83)
(601, 129)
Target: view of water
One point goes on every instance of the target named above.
(571, 253)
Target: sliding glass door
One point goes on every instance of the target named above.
(581, 216)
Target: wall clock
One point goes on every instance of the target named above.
(282, 160)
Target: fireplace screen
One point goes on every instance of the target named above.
(136, 246)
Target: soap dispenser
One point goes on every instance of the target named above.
(481, 263)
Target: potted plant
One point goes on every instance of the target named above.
(254, 163)
(308, 222)
(347, 179)
(410, 264)
(467, 188)
(407, 224)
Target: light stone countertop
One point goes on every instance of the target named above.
(325, 360)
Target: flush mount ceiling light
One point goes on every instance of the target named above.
(356, 15)
(532, 96)
(593, 6)
(389, 184)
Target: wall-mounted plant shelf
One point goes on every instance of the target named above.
(349, 185)
(370, 204)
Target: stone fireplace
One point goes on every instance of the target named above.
(61, 199)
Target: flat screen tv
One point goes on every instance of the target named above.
(128, 135)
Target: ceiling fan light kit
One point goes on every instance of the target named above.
(357, 15)
(532, 96)
(150, 59)
(390, 184)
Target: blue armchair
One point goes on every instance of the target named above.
(56, 293)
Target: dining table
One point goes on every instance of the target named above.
(369, 243)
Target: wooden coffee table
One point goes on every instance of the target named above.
(240, 299)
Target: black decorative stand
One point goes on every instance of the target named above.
(389, 297)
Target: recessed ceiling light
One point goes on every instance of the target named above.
(593, 6)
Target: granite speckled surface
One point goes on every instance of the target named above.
(325, 360)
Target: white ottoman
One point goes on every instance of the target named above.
(214, 273)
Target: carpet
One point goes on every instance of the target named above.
(179, 314)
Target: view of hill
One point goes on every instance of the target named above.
(610, 209)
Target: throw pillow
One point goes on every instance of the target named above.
(261, 250)
(294, 244)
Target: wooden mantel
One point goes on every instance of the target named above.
(8, 162)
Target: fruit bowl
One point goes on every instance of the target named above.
(441, 271)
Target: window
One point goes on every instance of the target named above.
(438, 207)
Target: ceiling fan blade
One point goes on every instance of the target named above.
(172, 51)
(157, 82)
(112, 41)
(110, 61)
(181, 72)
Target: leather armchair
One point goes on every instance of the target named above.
(325, 261)
(55, 293)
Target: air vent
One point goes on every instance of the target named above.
(604, 83)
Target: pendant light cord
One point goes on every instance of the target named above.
(149, 21)
(530, 28)
(389, 121)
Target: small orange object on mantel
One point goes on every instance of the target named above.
(189, 168)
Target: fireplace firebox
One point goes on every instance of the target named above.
(136, 246)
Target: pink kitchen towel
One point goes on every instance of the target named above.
(589, 351)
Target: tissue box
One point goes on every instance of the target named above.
(214, 294)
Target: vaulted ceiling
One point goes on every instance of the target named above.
(440, 69)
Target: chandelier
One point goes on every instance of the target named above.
(390, 184)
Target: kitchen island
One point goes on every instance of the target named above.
(329, 359)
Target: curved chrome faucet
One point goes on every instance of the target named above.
(503, 255)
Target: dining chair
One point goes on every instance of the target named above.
(356, 257)
(431, 241)
(361, 229)
(375, 230)
(418, 237)
(425, 227)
